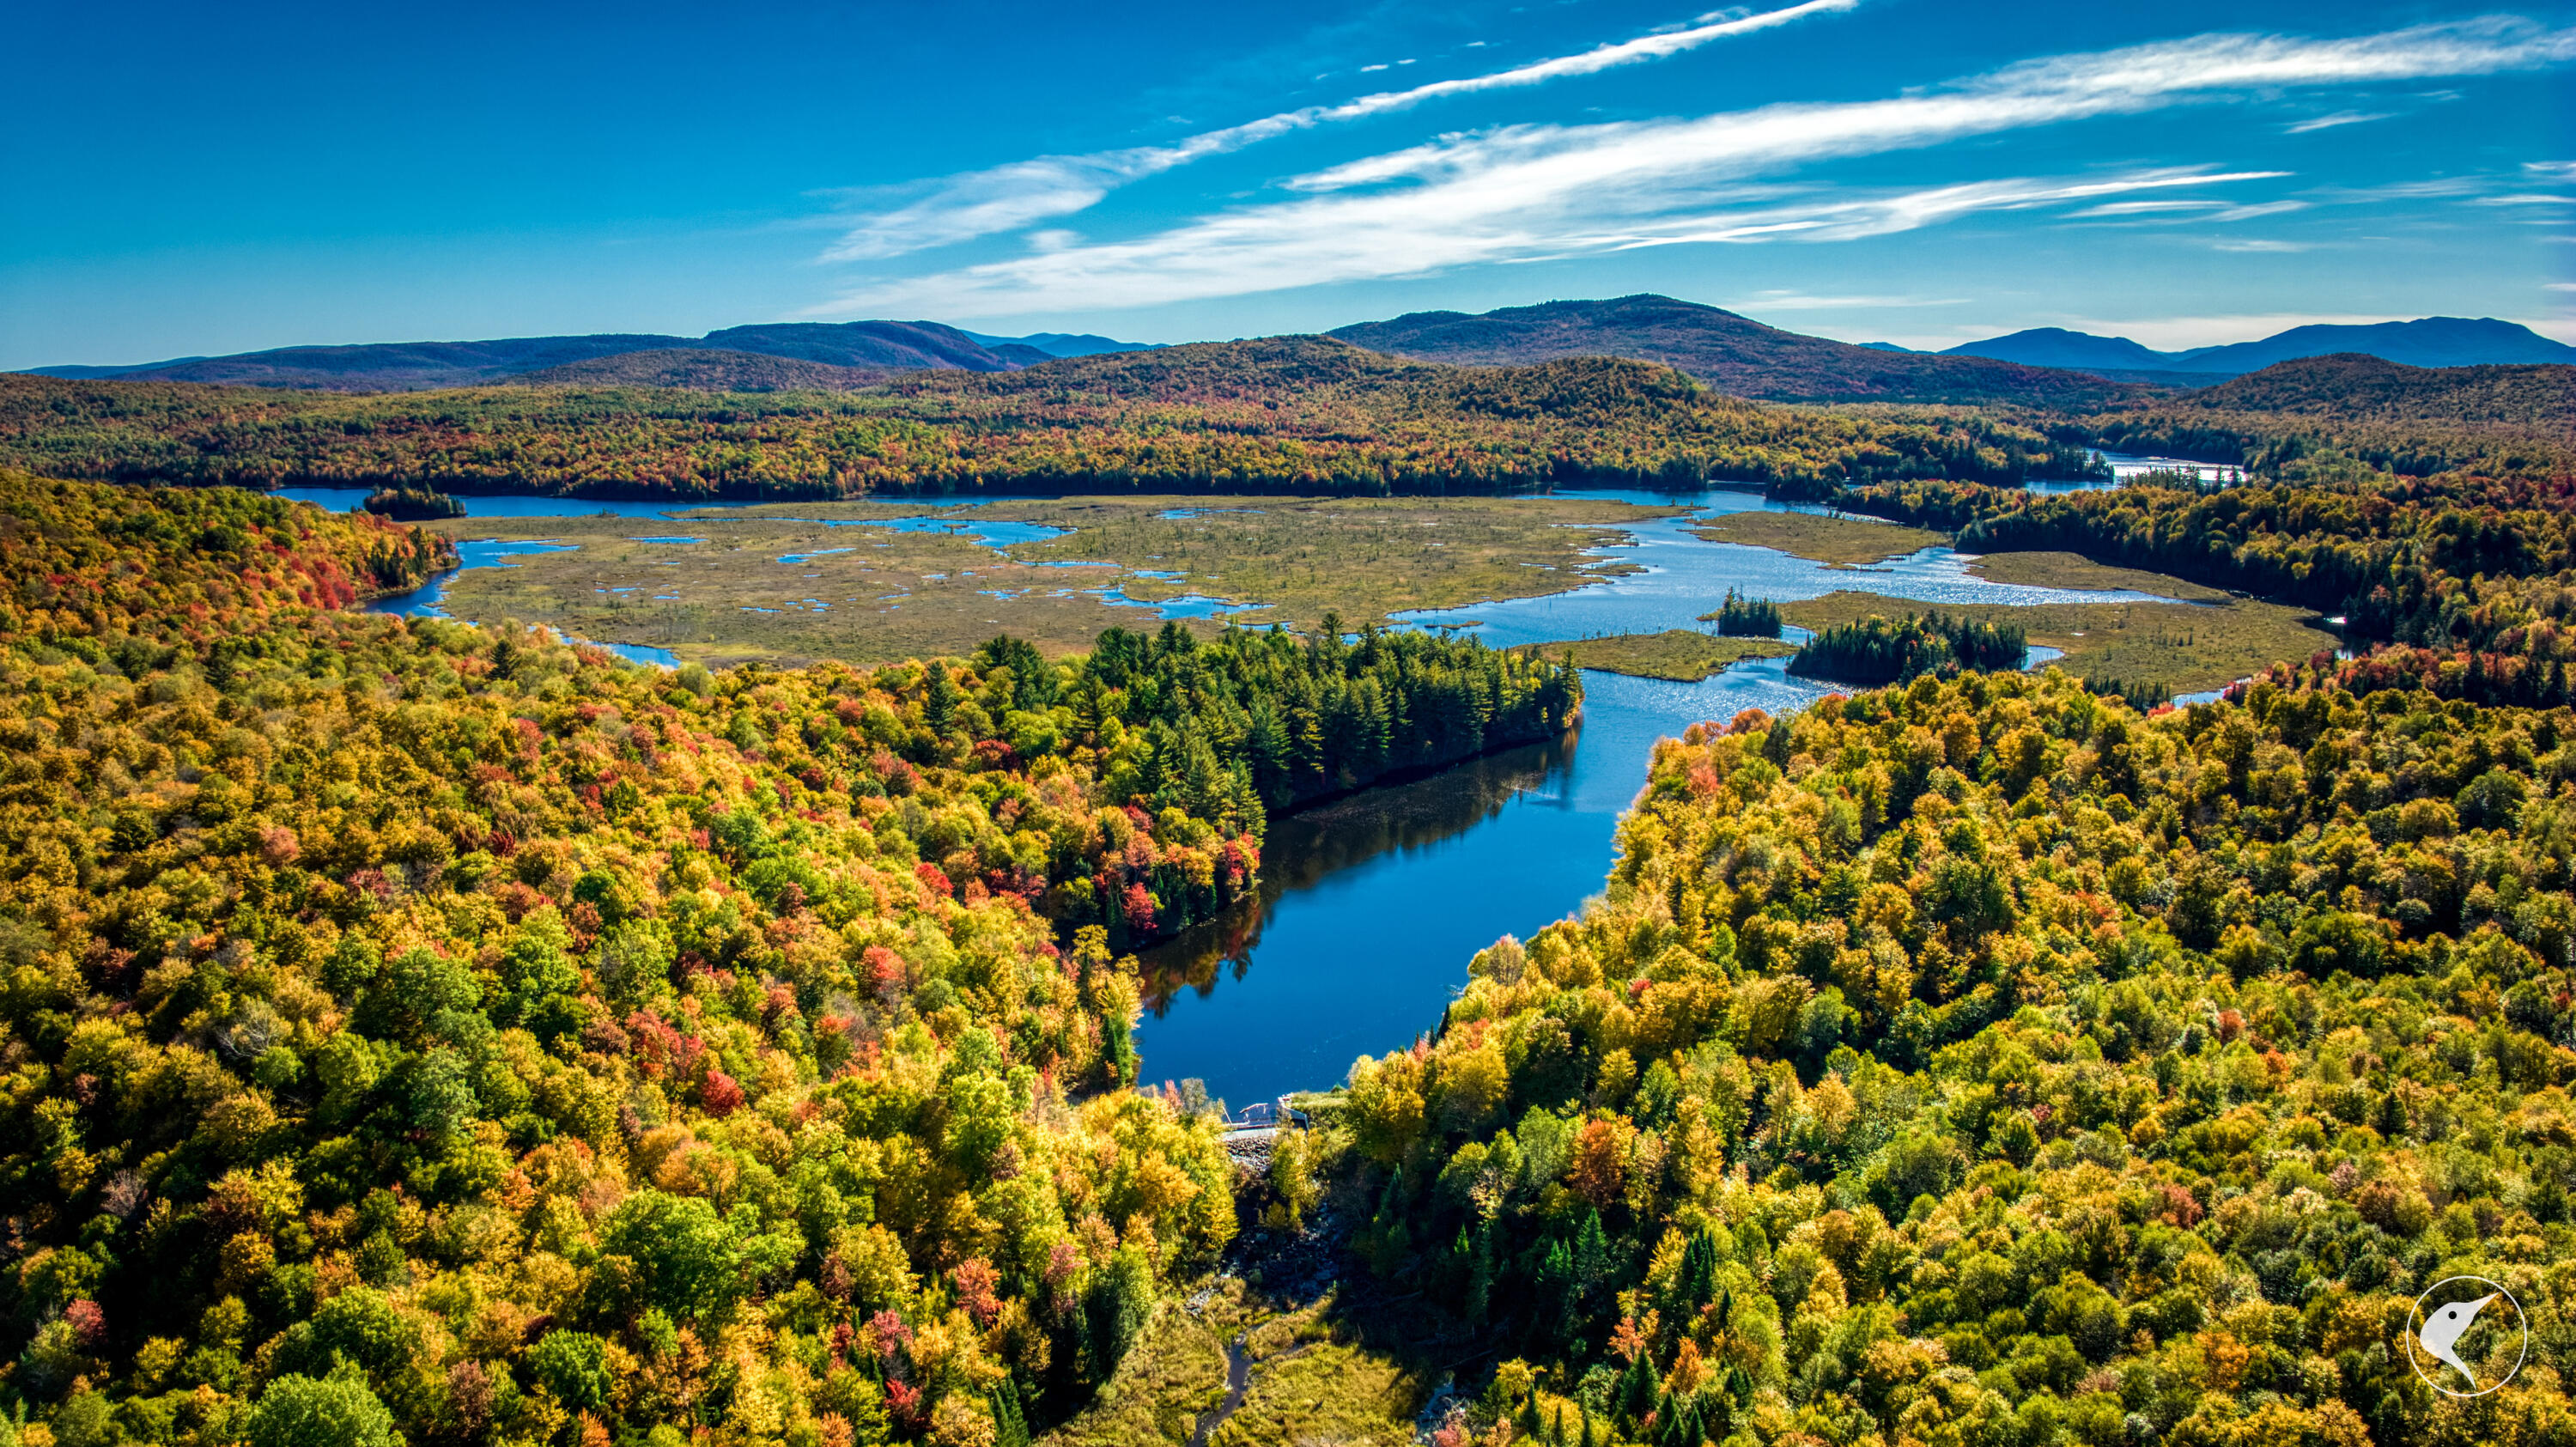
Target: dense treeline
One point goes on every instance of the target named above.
(417, 1032)
(2329, 448)
(1742, 617)
(1981, 1062)
(78, 560)
(2347, 416)
(561, 1045)
(2456, 563)
(413, 504)
(1294, 414)
(1298, 718)
(1874, 651)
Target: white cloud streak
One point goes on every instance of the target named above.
(2339, 118)
(2143, 208)
(1005, 198)
(1527, 193)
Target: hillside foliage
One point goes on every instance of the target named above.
(81, 561)
(1286, 414)
(412, 1032)
(1982, 1062)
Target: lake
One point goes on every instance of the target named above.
(1371, 906)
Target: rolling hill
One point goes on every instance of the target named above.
(1305, 414)
(379, 366)
(706, 369)
(2356, 388)
(424, 366)
(2427, 342)
(894, 346)
(1732, 353)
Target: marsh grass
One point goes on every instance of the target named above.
(1839, 542)
(865, 594)
(1364, 558)
(1680, 654)
(2070, 570)
(2185, 647)
(1175, 1371)
(878, 594)
(1311, 1379)
(1326, 1391)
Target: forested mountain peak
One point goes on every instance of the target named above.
(2058, 347)
(2424, 342)
(380, 366)
(895, 346)
(1732, 353)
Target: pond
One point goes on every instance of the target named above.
(1372, 905)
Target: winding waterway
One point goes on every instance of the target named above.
(1371, 905)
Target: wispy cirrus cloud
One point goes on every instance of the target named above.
(2339, 118)
(1006, 198)
(1523, 193)
(2146, 208)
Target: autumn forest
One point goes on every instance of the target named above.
(420, 1032)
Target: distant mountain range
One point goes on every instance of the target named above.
(1067, 344)
(2047, 367)
(1732, 353)
(2429, 342)
(880, 347)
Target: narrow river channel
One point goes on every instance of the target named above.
(1371, 905)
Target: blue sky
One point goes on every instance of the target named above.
(213, 179)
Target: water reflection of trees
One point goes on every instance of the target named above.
(1306, 848)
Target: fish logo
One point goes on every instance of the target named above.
(2445, 1314)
